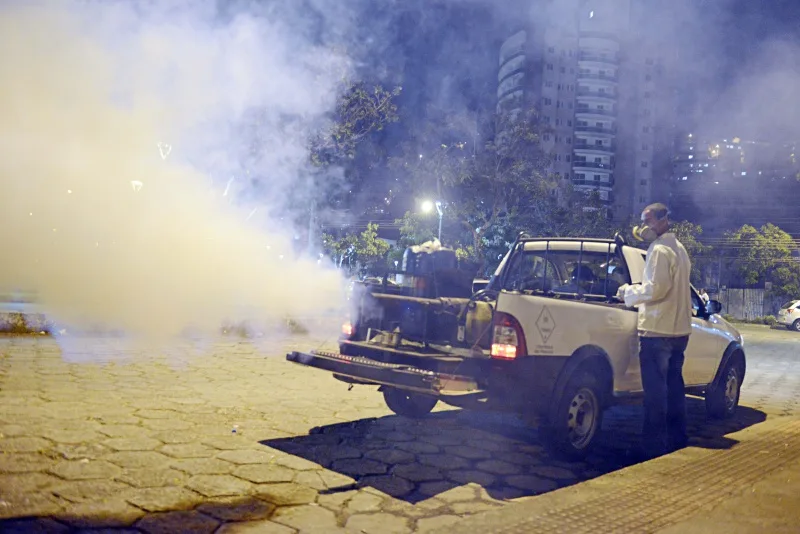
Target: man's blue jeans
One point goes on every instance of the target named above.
(661, 361)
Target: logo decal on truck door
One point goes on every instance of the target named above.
(545, 324)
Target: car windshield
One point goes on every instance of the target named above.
(565, 272)
(789, 304)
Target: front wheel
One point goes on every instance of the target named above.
(408, 404)
(795, 326)
(723, 399)
(572, 427)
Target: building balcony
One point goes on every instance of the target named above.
(598, 77)
(596, 130)
(596, 94)
(594, 111)
(594, 183)
(606, 149)
(608, 167)
(598, 58)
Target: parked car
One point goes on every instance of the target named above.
(546, 339)
(789, 315)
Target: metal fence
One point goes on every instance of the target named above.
(748, 303)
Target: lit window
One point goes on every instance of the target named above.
(744, 173)
(591, 14)
(691, 156)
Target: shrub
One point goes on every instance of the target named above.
(770, 320)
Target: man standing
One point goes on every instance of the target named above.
(665, 323)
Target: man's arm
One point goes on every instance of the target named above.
(656, 281)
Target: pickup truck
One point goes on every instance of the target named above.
(546, 339)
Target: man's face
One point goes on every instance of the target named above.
(649, 218)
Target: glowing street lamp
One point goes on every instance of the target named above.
(428, 206)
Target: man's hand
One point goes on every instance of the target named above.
(621, 292)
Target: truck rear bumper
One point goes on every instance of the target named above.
(396, 375)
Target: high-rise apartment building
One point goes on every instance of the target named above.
(589, 69)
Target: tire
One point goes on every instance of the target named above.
(408, 404)
(723, 399)
(795, 326)
(575, 418)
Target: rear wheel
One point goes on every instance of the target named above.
(572, 427)
(408, 404)
(723, 399)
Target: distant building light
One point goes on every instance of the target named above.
(691, 156)
(685, 178)
(744, 173)
(690, 135)
(717, 183)
(699, 170)
(705, 165)
(759, 173)
(591, 14)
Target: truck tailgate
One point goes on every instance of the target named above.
(390, 374)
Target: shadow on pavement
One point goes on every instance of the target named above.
(414, 460)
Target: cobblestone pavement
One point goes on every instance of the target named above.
(229, 437)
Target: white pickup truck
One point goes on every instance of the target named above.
(546, 339)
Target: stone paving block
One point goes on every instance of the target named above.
(156, 413)
(88, 490)
(443, 461)
(237, 508)
(228, 443)
(435, 488)
(85, 469)
(285, 494)
(311, 479)
(466, 476)
(30, 505)
(337, 500)
(7, 430)
(473, 507)
(153, 477)
(549, 471)
(187, 450)
(41, 525)
(26, 483)
(138, 459)
(142, 443)
(255, 527)
(498, 467)
(246, 456)
(106, 513)
(218, 485)
(176, 438)
(172, 522)
(363, 502)
(262, 474)
(380, 523)
(390, 456)
(459, 494)
(166, 424)
(297, 463)
(203, 466)
(163, 499)
(417, 472)
(80, 451)
(468, 452)
(24, 463)
(531, 483)
(356, 468)
(69, 436)
(418, 447)
(430, 524)
(307, 517)
(389, 484)
(24, 444)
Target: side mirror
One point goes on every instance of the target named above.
(713, 307)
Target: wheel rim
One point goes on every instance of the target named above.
(731, 390)
(796, 325)
(582, 418)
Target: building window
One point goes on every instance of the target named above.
(558, 156)
(648, 61)
(645, 164)
(559, 104)
(596, 177)
(569, 53)
(646, 113)
(551, 49)
(549, 66)
(548, 84)
(647, 77)
(569, 105)
(547, 102)
(558, 139)
(580, 176)
(563, 70)
(569, 123)
(558, 122)
(568, 157)
(546, 137)
(643, 182)
(647, 94)
(645, 129)
(546, 119)
(645, 146)
(641, 200)
(569, 140)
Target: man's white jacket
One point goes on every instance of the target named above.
(664, 296)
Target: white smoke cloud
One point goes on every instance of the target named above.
(123, 124)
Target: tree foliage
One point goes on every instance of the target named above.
(689, 235)
(356, 251)
(756, 256)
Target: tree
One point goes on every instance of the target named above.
(483, 190)
(759, 256)
(356, 251)
(370, 249)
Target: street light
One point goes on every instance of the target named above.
(427, 207)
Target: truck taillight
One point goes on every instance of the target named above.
(508, 341)
(347, 330)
